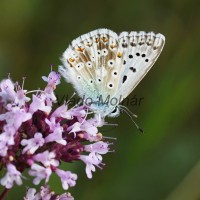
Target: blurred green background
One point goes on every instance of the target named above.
(160, 164)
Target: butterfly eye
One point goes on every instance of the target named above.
(111, 63)
(115, 110)
(104, 52)
(89, 64)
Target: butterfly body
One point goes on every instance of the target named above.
(105, 67)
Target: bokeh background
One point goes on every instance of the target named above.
(162, 163)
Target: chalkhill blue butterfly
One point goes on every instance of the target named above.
(103, 65)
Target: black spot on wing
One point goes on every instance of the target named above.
(132, 69)
(130, 56)
(124, 78)
(137, 54)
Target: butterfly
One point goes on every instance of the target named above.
(105, 67)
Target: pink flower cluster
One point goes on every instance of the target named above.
(46, 194)
(37, 138)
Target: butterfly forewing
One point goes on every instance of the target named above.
(92, 65)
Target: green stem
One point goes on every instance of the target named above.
(4, 193)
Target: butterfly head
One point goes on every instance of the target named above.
(115, 112)
(105, 110)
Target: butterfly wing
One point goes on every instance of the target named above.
(139, 52)
(92, 65)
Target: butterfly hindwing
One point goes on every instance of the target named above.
(140, 51)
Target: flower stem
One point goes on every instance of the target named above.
(4, 193)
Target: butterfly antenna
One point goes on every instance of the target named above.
(106, 124)
(131, 115)
(125, 108)
(111, 138)
(71, 98)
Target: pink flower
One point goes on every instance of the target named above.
(46, 194)
(38, 103)
(53, 79)
(31, 195)
(47, 159)
(21, 98)
(6, 139)
(57, 130)
(68, 179)
(15, 117)
(8, 134)
(84, 127)
(66, 196)
(37, 138)
(98, 147)
(63, 112)
(40, 173)
(79, 111)
(56, 136)
(3, 146)
(89, 128)
(12, 175)
(32, 144)
(96, 121)
(7, 91)
(91, 161)
(92, 138)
